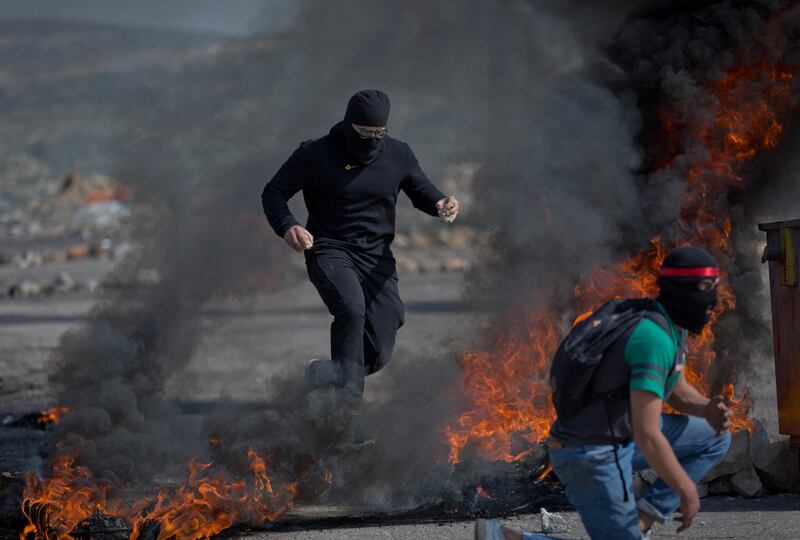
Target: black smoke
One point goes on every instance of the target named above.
(561, 131)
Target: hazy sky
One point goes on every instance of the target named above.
(233, 17)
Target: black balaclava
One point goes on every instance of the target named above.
(681, 272)
(365, 108)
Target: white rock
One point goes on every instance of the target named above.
(25, 289)
(552, 522)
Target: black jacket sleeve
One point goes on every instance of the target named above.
(423, 194)
(289, 179)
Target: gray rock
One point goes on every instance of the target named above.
(27, 259)
(25, 289)
(720, 486)
(737, 458)
(777, 465)
(63, 283)
(746, 483)
(552, 522)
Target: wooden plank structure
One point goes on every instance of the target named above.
(783, 252)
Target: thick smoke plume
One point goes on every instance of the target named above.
(197, 173)
(626, 144)
(563, 136)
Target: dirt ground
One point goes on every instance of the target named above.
(246, 344)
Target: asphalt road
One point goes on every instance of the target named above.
(245, 344)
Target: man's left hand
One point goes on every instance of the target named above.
(718, 415)
(448, 208)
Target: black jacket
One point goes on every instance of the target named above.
(350, 205)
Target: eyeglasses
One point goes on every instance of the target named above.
(370, 132)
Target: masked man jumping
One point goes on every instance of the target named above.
(350, 180)
(611, 377)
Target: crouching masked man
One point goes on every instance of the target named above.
(350, 180)
(611, 377)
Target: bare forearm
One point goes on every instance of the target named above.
(688, 400)
(659, 455)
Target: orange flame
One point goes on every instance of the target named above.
(206, 504)
(55, 506)
(506, 386)
(508, 397)
(52, 415)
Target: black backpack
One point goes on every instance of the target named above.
(581, 352)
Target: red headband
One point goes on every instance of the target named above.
(705, 271)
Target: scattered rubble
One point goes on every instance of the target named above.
(25, 289)
(754, 464)
(26, 259)
(77, 205)
(104, 248)
(63, 283)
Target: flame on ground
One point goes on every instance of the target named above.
(52, 415)
(505, 386)
(209, 502)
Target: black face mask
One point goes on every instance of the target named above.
(365, 108)
(364, 150)
(686, 305)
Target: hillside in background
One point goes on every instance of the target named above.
(67, 89)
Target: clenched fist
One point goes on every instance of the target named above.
(448, 208)
(298, 238)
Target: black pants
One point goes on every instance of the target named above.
(366, 309)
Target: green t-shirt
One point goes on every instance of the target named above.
(651, 353)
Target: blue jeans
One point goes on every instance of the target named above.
(593, 485)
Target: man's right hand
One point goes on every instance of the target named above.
(298, 238)
(690, 505)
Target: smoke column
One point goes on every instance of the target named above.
(559, 130)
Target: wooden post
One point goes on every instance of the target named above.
(782, 250)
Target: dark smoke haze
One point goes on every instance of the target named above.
(527, 92)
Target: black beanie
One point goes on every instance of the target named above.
(681, 273)
(368, 108)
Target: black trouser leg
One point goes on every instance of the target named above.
(384, 315)
(337, 281)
